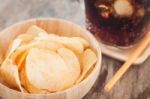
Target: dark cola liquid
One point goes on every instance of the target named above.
(118, 22)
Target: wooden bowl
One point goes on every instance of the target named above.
(60, 27)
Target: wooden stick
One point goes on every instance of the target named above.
(133, 56)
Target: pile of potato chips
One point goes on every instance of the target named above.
(38, 62)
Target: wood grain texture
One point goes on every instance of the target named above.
(135, 84)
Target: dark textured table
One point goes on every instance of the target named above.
(135, 84)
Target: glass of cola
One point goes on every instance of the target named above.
(118, 22)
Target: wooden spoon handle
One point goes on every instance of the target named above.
(142, 45)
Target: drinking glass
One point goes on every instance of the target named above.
(118, 22)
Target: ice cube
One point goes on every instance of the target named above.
(140, 12)
(123, 8)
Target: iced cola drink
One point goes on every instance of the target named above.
(118, 22)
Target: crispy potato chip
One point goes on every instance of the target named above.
(24, 80)
(9, 73)
(1, 57)
(46, 70)
(89, 58)
(26, 84)
(83, 41)
(19, 51)
(15, 44)
(70, 43)
(34, 30)
(73, 64)
(21, 59)
(39, 44)
(46, 34)
(44, 44)
(22, 48)
(89, 72)
(42, 34)
(26, 38)
(23, 38)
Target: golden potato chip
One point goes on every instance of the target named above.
(83, 41)
(15, 44)
(21, 59)
(42, 34)
(70, 43)
(89, 72)
(1, 57)
(31, 33)
(18, 53)
(89, 58)
(26, 38)
(40, 44)
(73, 64)
(24, 80)
(23, 38)
(44, 44)
(46, 34)
(22, 48)
(46, 70)
(9, 73)
(34, 30)
(26, 84)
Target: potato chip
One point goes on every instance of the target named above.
(42, 34)
(20, 50)
(89, 72)
(26, 38)
(23, 38)
(73, 64)
(39, 44)
(20, 59)
(46, 70)
(15, 44)
(89, 58)
(25, 82)
(1, 57)
(70, 43)
(9, 73)
(46, 34)
(34, 30)
(83, 41)
(24, 47)
(44, 44)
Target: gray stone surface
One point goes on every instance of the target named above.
(135, 84)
